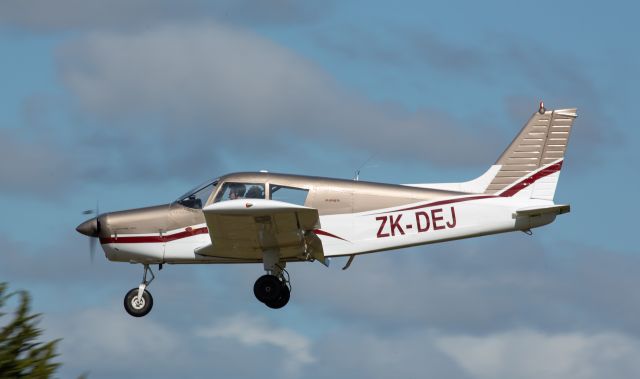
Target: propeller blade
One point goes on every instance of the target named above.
(92, 247)
(92, 240)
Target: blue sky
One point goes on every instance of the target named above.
(132, 103)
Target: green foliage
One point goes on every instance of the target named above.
(21, 354)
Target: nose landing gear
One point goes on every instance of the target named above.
(138, 301)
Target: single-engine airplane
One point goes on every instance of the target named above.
(268, 218)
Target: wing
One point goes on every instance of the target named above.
(244, 229)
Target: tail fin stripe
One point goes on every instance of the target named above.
(526, 182)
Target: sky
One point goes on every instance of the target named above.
(128, 104)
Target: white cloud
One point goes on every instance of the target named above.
(46, 16)
(527, 354)
(354, 352)
(207, 71)
(233, 88)
(254, 331)
(107, 342)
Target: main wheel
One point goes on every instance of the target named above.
(135, 307)
(282, 300)
(267, 288)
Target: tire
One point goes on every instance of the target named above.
(267, 288)
(134, 308)
(282, 300)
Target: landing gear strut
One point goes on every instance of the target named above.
(138, 301)
(274, 288)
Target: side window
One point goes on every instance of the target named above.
(233, 191)
(289, 194)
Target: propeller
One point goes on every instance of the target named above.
(91, 228)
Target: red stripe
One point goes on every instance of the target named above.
(176, 236)
(323, 233)
(524, 183)
(156, 239)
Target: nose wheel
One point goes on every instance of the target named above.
(138, 301)
(138, 306)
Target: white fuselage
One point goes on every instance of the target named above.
(344, 234)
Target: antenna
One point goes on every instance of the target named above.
(357, 171)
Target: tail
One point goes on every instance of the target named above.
(530, 166)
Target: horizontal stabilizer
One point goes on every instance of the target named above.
(539, 211)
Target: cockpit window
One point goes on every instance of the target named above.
(290, 195)
(198, 196)
(233, 191)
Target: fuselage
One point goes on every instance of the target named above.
(356, 217)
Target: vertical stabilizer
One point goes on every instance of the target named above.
(530, 166)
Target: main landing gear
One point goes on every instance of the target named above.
(274, 288)
(138, 302)
(274, 291)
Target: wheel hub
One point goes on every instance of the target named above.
(137, 303)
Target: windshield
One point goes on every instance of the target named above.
(198, 196)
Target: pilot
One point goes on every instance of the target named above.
(236, 191)
(255, 192)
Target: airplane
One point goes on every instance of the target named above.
(274, 219)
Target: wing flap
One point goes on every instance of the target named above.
(246, 228)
